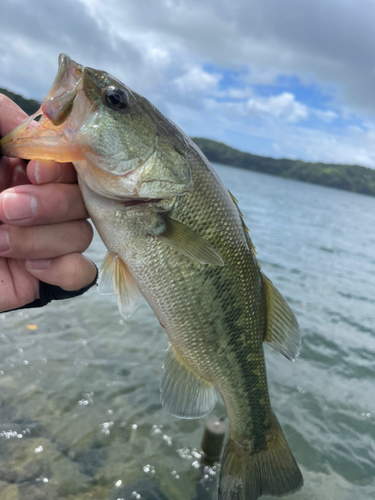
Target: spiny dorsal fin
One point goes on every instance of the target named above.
(114, 276)
(247, 232)
(189, 243)
(233, 198)
(184, 393)
(282, 332)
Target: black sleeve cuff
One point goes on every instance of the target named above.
(47, 293)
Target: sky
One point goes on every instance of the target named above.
(282, 78)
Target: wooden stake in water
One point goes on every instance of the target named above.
(212, 442)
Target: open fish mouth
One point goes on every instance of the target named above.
(68, 75)
(52, 138)
(108, 132)
(59, 101)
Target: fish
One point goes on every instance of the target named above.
(176, 235)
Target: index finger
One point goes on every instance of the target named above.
(11, 115)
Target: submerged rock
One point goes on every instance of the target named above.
(8, 491)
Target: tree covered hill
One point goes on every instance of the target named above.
(349, 177)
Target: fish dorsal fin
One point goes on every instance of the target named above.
(247, 232)
(282, 332)
(185, 394)
(114, 276)
(105, 284)
(188, 242)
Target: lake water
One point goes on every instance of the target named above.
(80, 415)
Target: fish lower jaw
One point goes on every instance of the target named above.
(38, 141)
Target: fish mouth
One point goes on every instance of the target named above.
(47, 139)
(69, 73)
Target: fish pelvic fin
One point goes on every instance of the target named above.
(184, 393)
(186, 241)
(114, 276)
(125, 289)
(248, 474)
(105, 283)
(282, 331)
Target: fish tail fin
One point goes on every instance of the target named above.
(247, 474)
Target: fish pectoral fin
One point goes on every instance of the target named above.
(282, 331)
(189, 243)
(114, 276)
(185, 394)
(105, 284)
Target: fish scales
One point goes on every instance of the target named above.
(206, 309)
(176, 234)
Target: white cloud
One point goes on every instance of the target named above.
(196, 79)
(261, 75)
(270, 136)
(158, 56)
(161, 49)
(280, 106)
(239, 93)
(327, 116)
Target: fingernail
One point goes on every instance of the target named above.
(37, 173)
(47, 171)
(4, 241)
(38, 263)
(19, 206)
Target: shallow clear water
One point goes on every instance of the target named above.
(80, 416)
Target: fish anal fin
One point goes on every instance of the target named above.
(105, 284)
(125, 289)
(186, 241)
(282, 331)
(185, 394)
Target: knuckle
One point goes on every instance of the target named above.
(33, 241)
(85, 234)
(54, 202)
(73, 275)
(61, 200)
(23, 241)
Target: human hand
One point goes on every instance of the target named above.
(44, 228)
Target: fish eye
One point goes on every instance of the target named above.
(116, 98)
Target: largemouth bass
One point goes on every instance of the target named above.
(175, 234)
